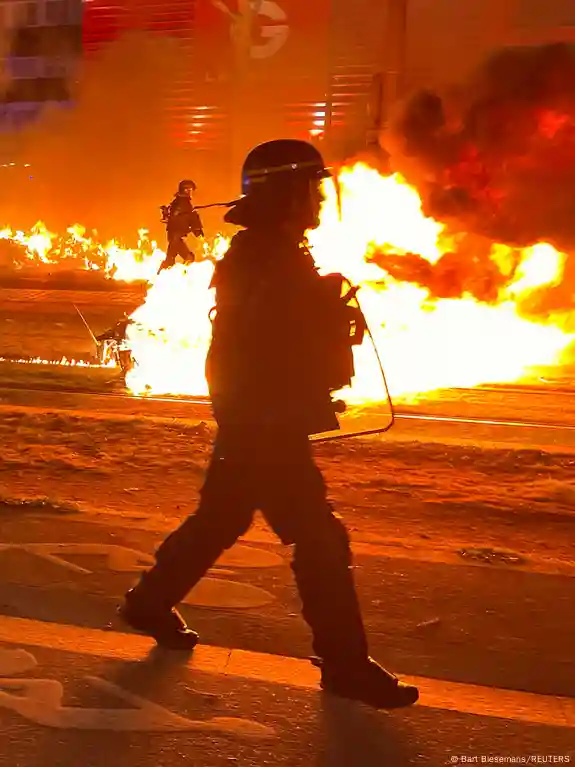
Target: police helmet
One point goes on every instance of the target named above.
(277, 161)
(186, 185)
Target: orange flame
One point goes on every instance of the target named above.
(64, 361)
(426, 343)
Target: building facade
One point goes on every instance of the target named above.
(41, 47)
(257, 68)
(306, 68)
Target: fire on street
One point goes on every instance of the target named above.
(333, 136)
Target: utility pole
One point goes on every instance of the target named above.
(243, 37)
(240, 96)
(395, 51)
(389, 83)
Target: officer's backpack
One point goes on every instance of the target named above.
(166, 213)
(327, 328)
(340, 327)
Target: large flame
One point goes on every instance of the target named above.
(171, 331)
(79, 249)
(426, 342)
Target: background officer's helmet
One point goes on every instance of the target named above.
(187, 186)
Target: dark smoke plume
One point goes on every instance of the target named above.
(496, 157)
(468, 269)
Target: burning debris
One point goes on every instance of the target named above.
(64, 362)
(78, 250)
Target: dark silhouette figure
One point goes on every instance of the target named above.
(181, 219)
(282, 343)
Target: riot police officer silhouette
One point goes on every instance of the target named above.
(271, 377)
(181, 219)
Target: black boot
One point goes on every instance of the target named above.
(167, 627)
(367, 683)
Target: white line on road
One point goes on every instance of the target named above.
(483, 421)
(293, 672)
(204, 404)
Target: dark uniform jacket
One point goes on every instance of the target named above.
(183, 218)
(264, 366)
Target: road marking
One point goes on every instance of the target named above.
(438, 553)
(16, 662)
(293, 672)
(122, 559)
(435, 552)
(483, 421)
(225, 593)
(41, 701)
(209, 592)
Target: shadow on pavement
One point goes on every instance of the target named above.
(356, 736)
(158, 672)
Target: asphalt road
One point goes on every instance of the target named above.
(525, 419)
(45, 323)
(490, 644)
(487, 636)
(153, 712)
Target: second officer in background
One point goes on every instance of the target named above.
(181, 219)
